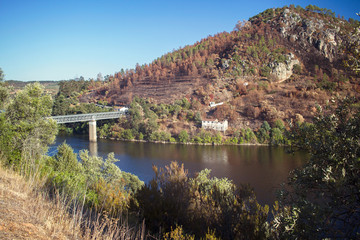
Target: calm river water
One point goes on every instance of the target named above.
(264, 168)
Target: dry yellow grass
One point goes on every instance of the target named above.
(26, 214)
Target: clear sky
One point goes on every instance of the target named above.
(64, 39)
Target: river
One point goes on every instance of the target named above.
(263, 167)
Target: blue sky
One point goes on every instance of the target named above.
(63, 39)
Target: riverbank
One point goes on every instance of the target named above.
(191, 143)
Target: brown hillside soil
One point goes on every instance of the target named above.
(25, 214)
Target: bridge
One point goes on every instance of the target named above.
(91, 118)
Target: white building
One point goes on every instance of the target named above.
(213, 104)
(216, 125)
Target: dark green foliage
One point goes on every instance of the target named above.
(4, 90)
(61, 105)
(198, 204)
(263, 134)
(183, 136)
(325, 11)
(297, 69)
(29, 130)
(2, 75)
(69, 87)
(279, 124)
(326, 84)
(249, 135)
(277, 137)
(324, 201)
(265, 71)
(198, 118)
(127, 134)
(66, 159)
(164, 201)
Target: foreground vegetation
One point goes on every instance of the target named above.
(319, 201)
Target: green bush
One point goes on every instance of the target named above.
(277, 137)
(249, 136)
(297, 69)
(183, 136)
(321, 196)
(127, 134)
(265, 71)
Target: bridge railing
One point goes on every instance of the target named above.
(88, 117)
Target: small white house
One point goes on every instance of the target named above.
(215, 125)
(213, 104)
(122, 109)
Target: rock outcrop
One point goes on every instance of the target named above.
(314, 32)
(283, 70)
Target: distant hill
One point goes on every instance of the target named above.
(277, 65)
(51, 87)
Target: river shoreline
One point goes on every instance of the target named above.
(191, 143)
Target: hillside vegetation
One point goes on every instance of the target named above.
(272, 71)
(276, 65)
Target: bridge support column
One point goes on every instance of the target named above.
(92, 131)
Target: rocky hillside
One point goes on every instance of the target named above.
(277, 65)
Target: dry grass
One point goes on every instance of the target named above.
(27, 213)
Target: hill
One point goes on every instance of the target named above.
(277, 65)
(51, 87)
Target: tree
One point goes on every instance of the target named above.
(183, 136)
(277, 137)
(2, 76)
(66, 159)
(30, 131)
(263, 134)
(100, 77)
(324, 199)
(164, 201)
(61, 105)
(4, 91)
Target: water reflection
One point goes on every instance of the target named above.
(93, 148)
(220, 156)
(264, 168)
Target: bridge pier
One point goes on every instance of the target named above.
(92, 131)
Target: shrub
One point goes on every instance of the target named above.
(297, 69)
(322, 197)
(183, 136)
(265, 71)
(277, 137)
(263, 134)
(249, 136)
(164, 201)
(66, 159)
(127, 134)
